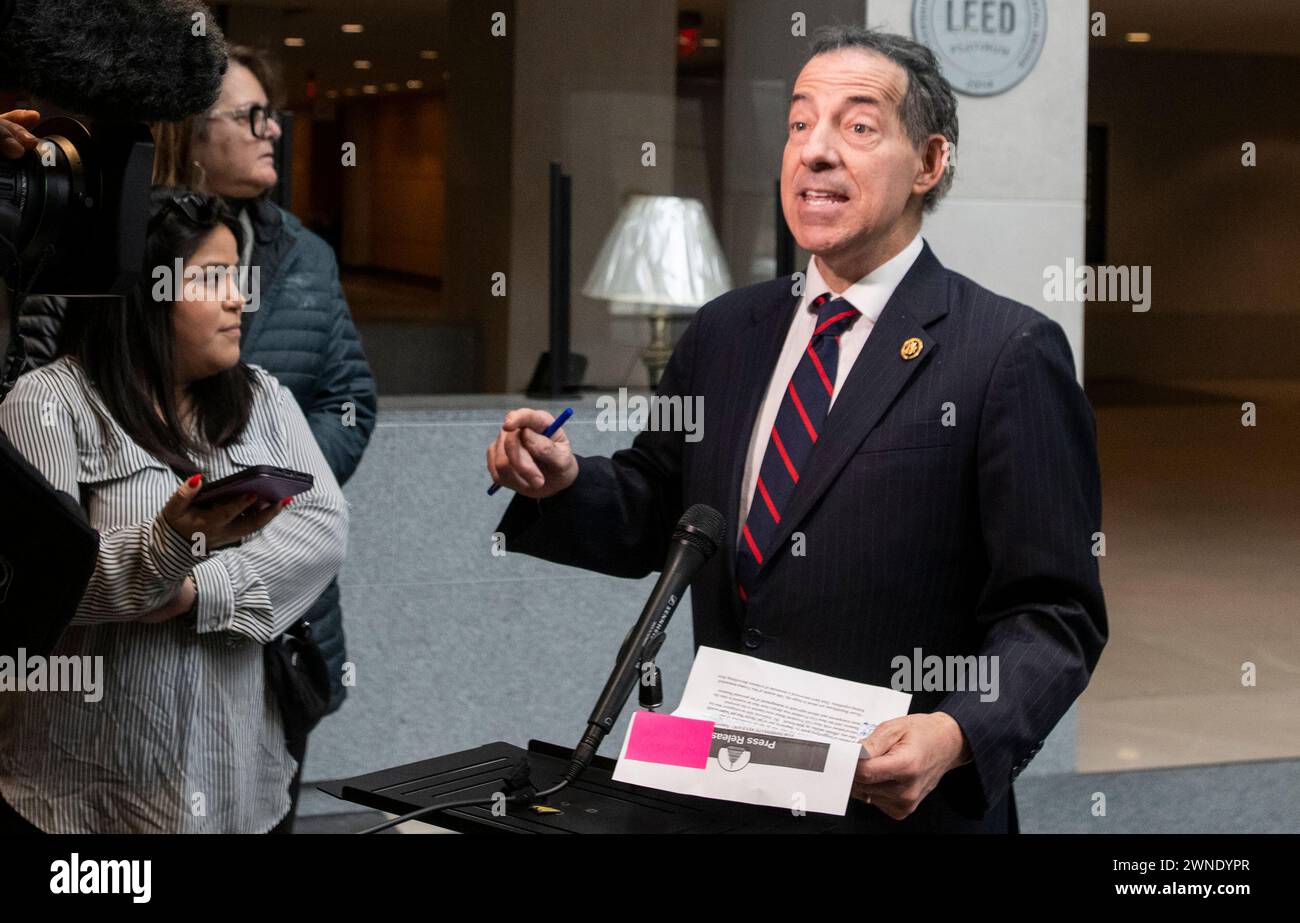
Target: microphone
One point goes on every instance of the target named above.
(129, 60)
(698, 534)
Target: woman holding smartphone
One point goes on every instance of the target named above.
(146, 401)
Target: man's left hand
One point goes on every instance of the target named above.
(909, 756)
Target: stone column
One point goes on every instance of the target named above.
(1017, 202)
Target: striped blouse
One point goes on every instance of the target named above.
(186, 736)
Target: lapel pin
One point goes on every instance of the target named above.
(911, 348)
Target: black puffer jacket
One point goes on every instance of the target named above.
(38, 326)
(302, 333)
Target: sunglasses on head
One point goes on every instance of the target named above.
(201, 211)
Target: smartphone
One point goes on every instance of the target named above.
(269, 483)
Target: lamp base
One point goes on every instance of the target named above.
(656, 355)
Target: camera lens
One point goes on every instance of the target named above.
(73, 211)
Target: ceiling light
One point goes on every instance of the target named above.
(353, 27)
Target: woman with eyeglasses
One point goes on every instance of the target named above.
(234, 142)
(147, 400)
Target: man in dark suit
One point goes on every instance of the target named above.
(905, 460)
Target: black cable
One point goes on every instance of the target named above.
(524, 794)
(414, 815)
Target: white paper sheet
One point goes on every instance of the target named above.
(781, 736)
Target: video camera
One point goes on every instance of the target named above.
(73, 211)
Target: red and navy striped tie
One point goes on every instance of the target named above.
(804, 406)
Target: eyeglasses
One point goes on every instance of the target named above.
(259, 118)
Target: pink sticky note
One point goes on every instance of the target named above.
(670, 740)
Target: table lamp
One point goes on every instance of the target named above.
(661, 260)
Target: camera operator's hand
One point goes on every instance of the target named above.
(15, 139)
(222, 523)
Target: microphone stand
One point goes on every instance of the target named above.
(694, 540)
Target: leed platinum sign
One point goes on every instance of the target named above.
(984, 46)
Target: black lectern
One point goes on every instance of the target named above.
(595, 803)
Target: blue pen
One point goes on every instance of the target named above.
(548, 433)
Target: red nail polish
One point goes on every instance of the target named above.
(194, 480)
(286, 501)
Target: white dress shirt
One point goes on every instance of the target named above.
(869, 295)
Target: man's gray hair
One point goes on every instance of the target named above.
(929, 106)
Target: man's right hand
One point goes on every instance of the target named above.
(527, 462)
(15, 139)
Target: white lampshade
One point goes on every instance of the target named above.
(661, 256)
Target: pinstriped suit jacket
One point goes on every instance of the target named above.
(963, 539)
